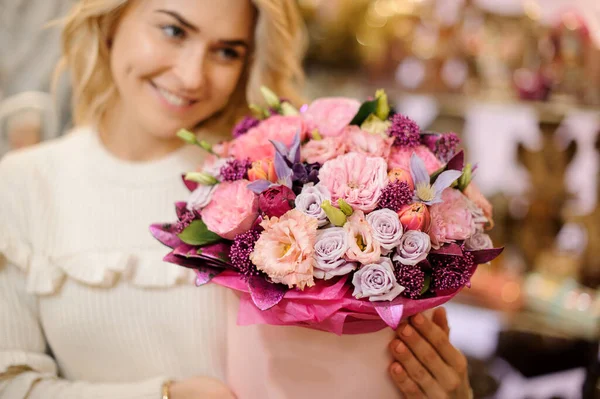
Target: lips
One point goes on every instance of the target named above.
(173, 98)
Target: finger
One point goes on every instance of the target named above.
(440, 318)
(430, 359)
(408, 387)
(416, 371)
(441, 343)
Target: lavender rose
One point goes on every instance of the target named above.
(309, 202)
(387, 229)
(376, 281)
(331, 245)
(200, 197)
(413, 248)
(479, 241)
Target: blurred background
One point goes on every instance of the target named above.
(517, 80)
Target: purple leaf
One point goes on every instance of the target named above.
(165, 233)
(187, 251)
(181, 261)
(486, 255)
(449, 250)
(258, 186)
(457, 162)
(390, 313)
(191, 185)
(205, 274)
(264, 294)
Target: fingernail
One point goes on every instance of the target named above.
(407, 332)
(419, 319)
(396, 368)
(400, 347)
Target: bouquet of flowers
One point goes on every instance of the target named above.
(340, 216)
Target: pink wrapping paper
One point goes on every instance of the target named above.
(329, 306)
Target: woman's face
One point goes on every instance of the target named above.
(175, 63)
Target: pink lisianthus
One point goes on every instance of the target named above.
(400, 158)
(322, 151)
(232, 210)
(365, 143)
(355, 178)
(285, 249)
(362, 246)
(330, 115)
(451, 219)
(255, 144)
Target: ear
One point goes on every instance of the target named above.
(571, 150)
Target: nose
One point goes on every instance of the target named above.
(191, 72)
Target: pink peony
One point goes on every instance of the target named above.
(322, 151)
(285, 249)
(255, 143)
(472, 192)
(451, 220)
(400, 158)
(355, 178)
(362, 142)
(232, 210)
(362, 246)
(330, 115)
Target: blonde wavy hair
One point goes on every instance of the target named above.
(276, 60)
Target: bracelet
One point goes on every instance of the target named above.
(166, 388)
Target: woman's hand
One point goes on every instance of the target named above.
(200, 387)
(427, 365)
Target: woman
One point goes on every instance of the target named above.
(83, 292)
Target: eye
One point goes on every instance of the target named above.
(173, 31)
(228, 53)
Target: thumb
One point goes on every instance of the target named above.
(439, 317)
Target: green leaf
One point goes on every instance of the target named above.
(366, 109)
(198, 234)
(465, 179)
(426, 284)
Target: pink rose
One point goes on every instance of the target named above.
(355, 178)
(232, 210)
(451, 220)
(400, 158)
(362, 246)
(263, 170)
(322, 151)
(362, 142)
(255, 143)
(415, 217)
(472, 192)
(285, 249)
(330, 115)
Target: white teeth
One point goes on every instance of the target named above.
(173, 99)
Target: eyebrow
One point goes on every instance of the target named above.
(235, 43)
(180, 19)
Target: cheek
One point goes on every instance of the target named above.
(224, 80)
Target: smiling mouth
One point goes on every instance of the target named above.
(172, 98)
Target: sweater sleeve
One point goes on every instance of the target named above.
(26, 368)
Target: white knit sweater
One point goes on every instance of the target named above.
(86, 302)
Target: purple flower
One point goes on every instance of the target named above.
(451, 272)
(413, 248)
(445, 146)
(406, 131)
(412, 278)
(244, 125)
(235, 169)
(395, 195)
(310, 199)
(330, 248)
(240, 251)
(376, 281)
(424, 190)
(185, 220)
(387, 229)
